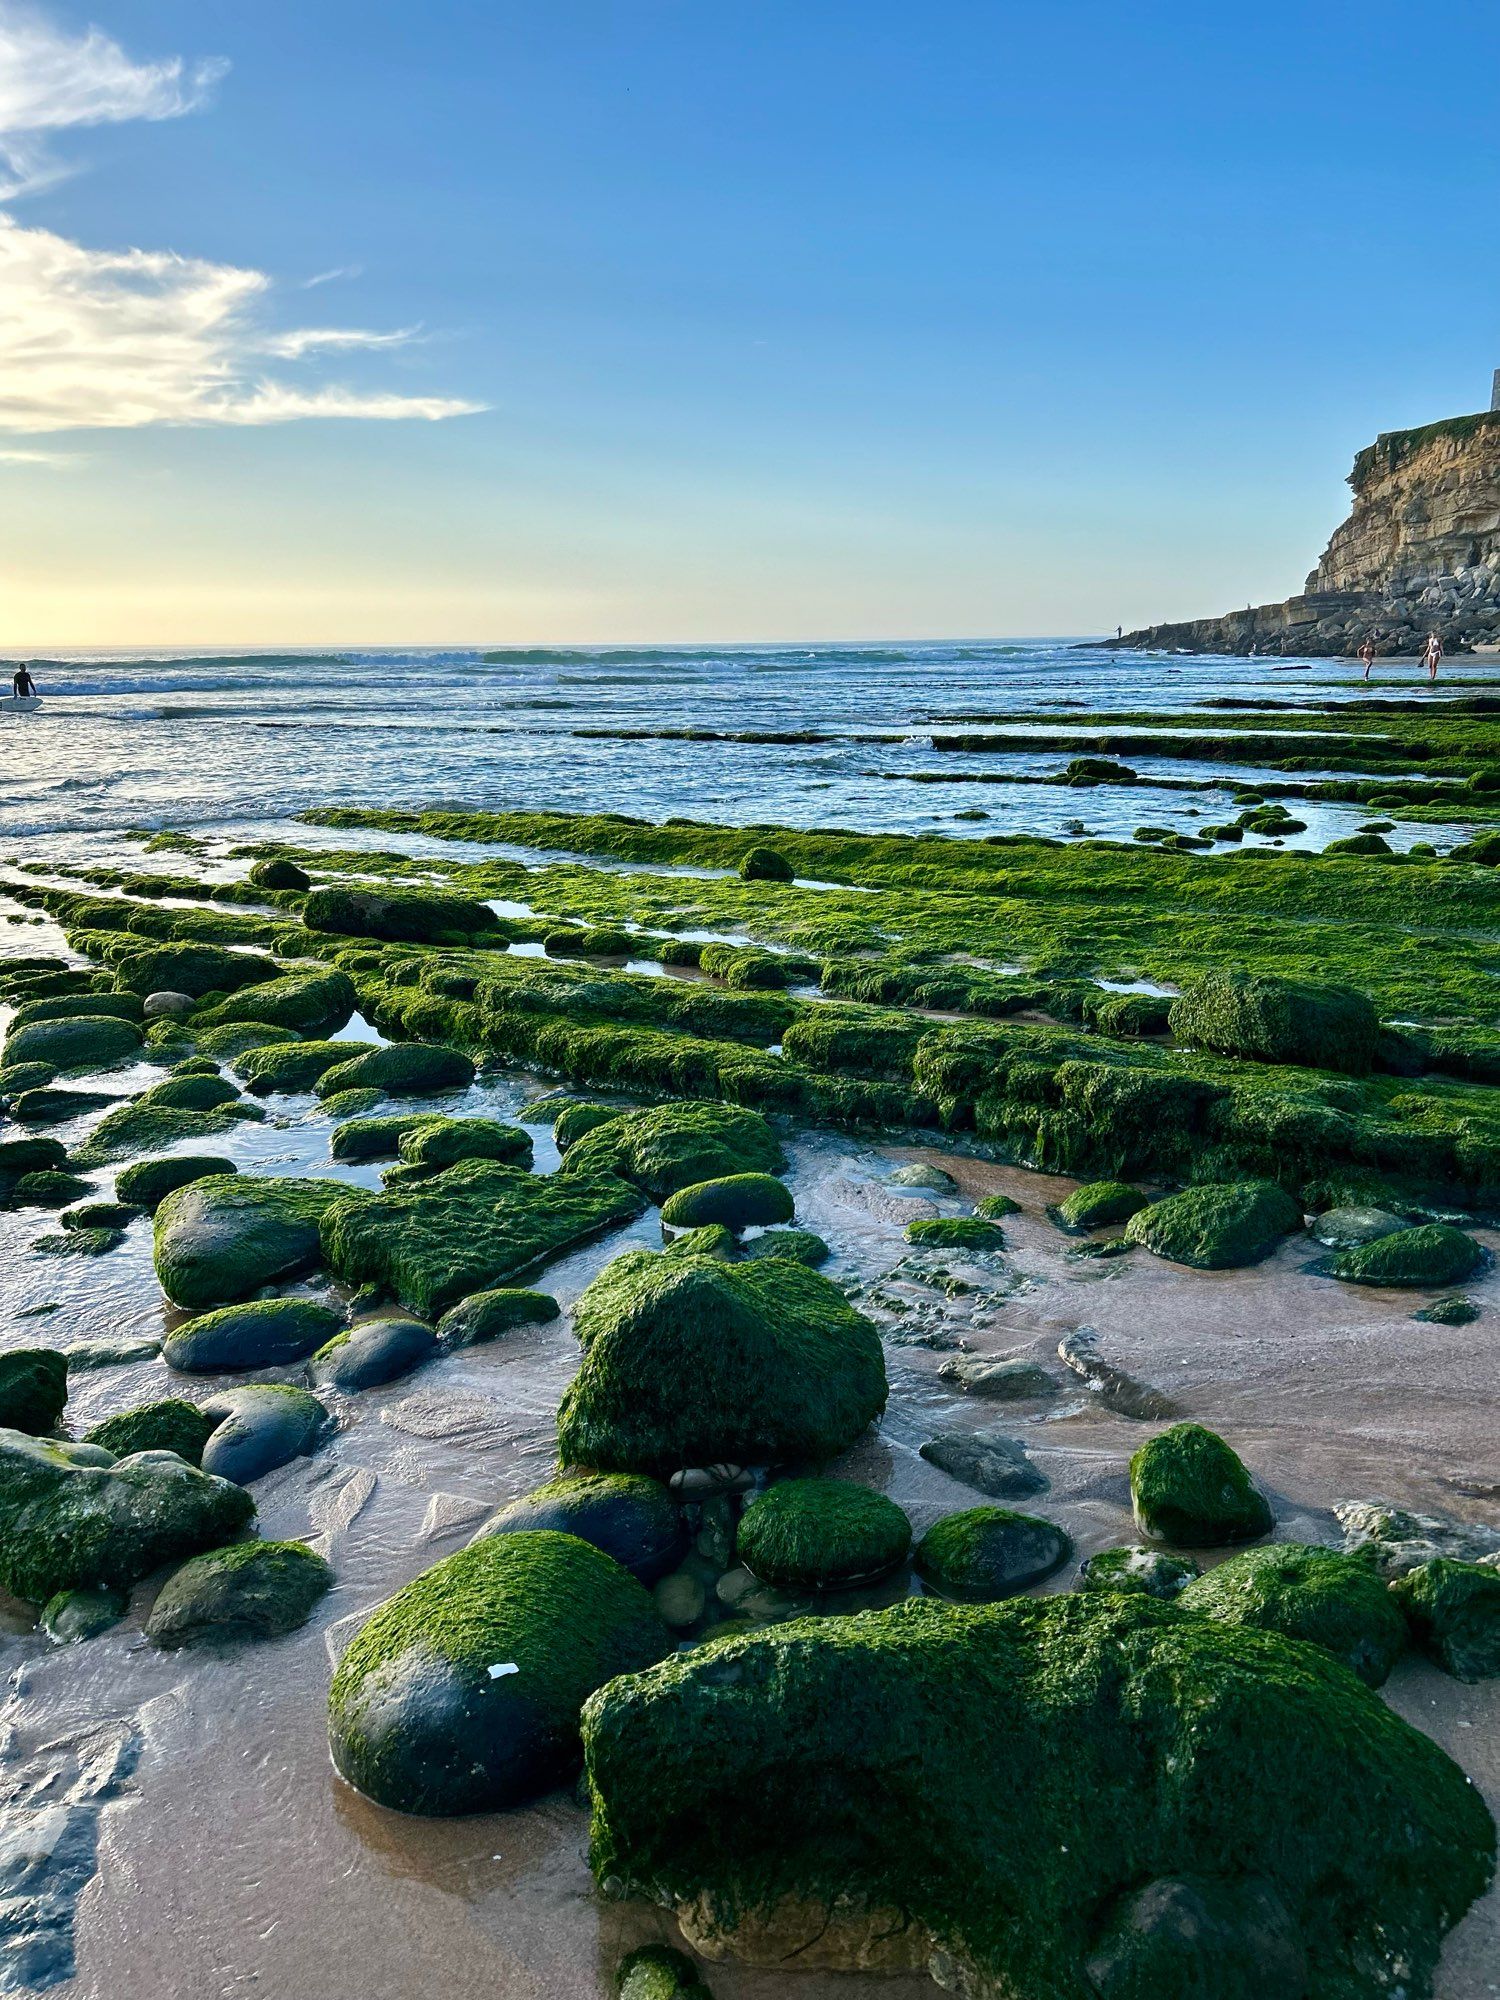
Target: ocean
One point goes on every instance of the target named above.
(239, 742)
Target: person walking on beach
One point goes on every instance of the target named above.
(21, 683)
(1432, 655)
(1367, 654)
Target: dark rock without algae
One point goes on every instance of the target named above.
(258, 1333)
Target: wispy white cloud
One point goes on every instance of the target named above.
(50, 80)
(117, 339)
(316, 339)
(328, 277)
(55, 459)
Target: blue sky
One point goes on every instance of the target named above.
(729, 321)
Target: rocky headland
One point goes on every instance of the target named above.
(1419, 552)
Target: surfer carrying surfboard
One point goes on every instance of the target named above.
(22, 685)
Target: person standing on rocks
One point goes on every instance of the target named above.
(1367, 654)
(1432, 655)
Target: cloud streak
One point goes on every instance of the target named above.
(120, 339)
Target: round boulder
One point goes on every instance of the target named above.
(632, 1518)
(260, 1333)
(259, 1427)
(167, 1006)
(250, 1590)
(821, 1534)
(373, 1351)
(990, 1552)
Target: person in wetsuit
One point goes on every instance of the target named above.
(22, 685)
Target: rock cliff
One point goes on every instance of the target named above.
(1419, 552)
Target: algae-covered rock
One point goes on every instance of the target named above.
(1347, 1228)
(1191, 1934)
(692, 1362)
(18, 1078)
(487, 1316)
(101, 1215)
(219, 1240)
(981, 1787)
(1146, 1572)
(371, 1352)
(672, 1146)
(821, 1534)
(147, 1183)
(289, 1066)
(351, 1103)
(630, 1517)
(1434, 1254)
(1278, 1021)
(1098, 1204)
(276, 872)
(29, 1156)
(195, 969)
(72, 1518)
(1189, 1488)
(803, 1246)
(1330, 1599)
(400, 1069)
(990, 1552)
(170, 1425)
(256, 1333)
(995, 1207)
(73, 1616)
(657, 1972)
(1218, 1226)
(49, 1189)
(575, 1118)
(165, 1114)
(462, 1694)
(440, 1142)
(33, 1388)
(259, 1426)
(73, 1006)
(84, 1041)
(231, 1039)
(433, 1242)
(764, 864)
(1455, 1310)
(955, 1232)
(397, 916)
(56, 1106)
(376, 1138)
(248, 1591)
(739, 1201)
(1454, 1612)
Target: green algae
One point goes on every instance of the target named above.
(675, 1146)
(169, 1425)
(1190, 1489)
(405, 1069)
(738, 1201)
(220, 1239)
(1454, 1612)
(630, 1517)
(821, 1534)
(1278, 1021)
(1098, 1204)
(248, 1591)
(33, 1388)
(1216, 1227)
(147, 1183)
(1432, 1255)
(1329, 1599)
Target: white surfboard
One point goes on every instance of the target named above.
(21, 704)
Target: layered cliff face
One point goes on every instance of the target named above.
(1426, 504)
(1420, 552)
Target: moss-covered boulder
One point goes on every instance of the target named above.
(672, 1146)
(1278, 1021)
(574, 1119)
(220, 1240)
(1434, 1254)
(765, 864)
(170, 1425)
(276, 872)
(1346, 1228)
(1330, 1599)
(689, 1362)
(441, 1142)
(802, 1246)
(462, 1694)
(160, 1117)
(1198, 1934)
(400, 1069)
(248, 1591)
(371, 1352)
(73, 1006)
(1190, 1489)
(1217, 1227)
(33, 1389)
(1147, 1572)
(397, 916)
(989, 1552)
(955, 1232)
(259, 1426)
(1453, 1609)
(431, 1243)
(821, 1534)
(630, 1517)
(73, 1616)
(29, 1156)
(376, 1138)
(194, 969)
(485, 1316)
(739, 1201)
(72, 1517)
(84, 1041)
(351, 1103)
(49, 1189)
(54, 1106)
(256, 1333)
(16, 1079)
(979, 1788)
(147, 1183)
(289, 1066)
(232, 1039)
(101, 1215)
(657, 1972)
(1098, 1204)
